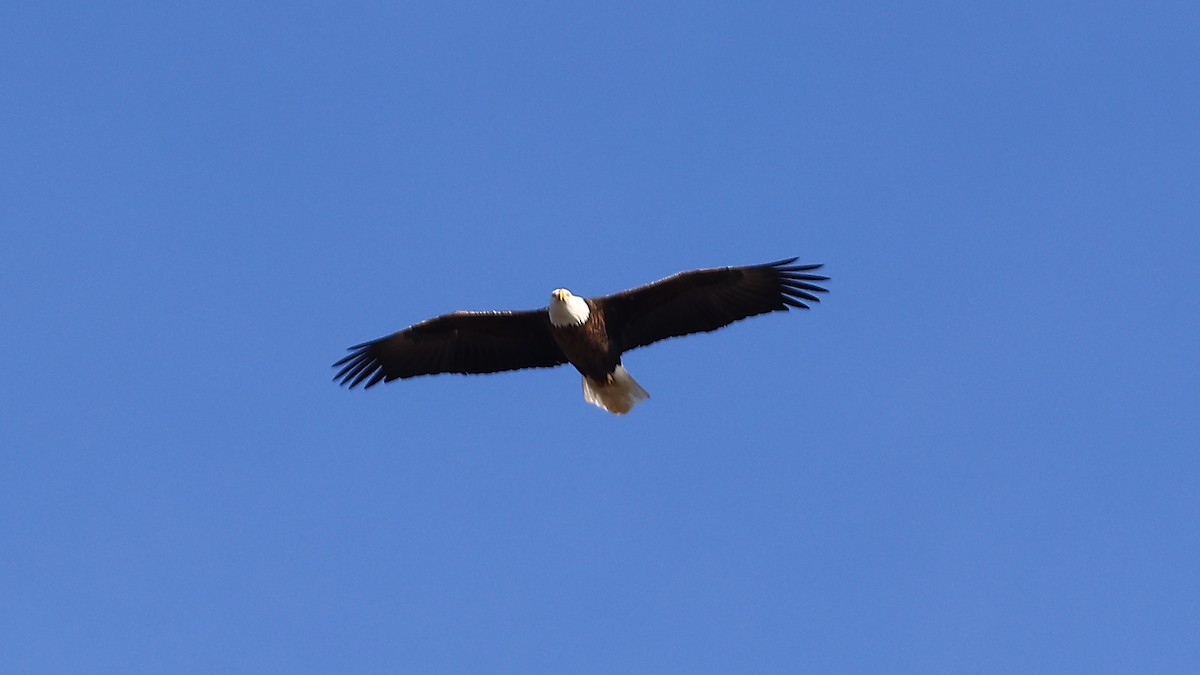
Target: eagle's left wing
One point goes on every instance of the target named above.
(705, 300)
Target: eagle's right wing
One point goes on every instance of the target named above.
(460, 342)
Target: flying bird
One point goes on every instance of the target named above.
(589, 333)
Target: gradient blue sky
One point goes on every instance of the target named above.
(978, 455)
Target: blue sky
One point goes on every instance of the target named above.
(979, 454)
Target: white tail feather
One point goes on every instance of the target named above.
(618, 396)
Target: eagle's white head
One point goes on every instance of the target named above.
(567, 309)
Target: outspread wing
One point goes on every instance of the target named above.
(705, 300)
(461, 342)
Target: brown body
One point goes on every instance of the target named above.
(589, 347)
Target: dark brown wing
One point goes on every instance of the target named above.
(705, 300)
(461, 342)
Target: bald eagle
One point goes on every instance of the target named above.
(589, 333)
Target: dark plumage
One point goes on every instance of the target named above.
(488, 342)
(459, 342)
(705, 300)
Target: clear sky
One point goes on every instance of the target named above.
(979, 454)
